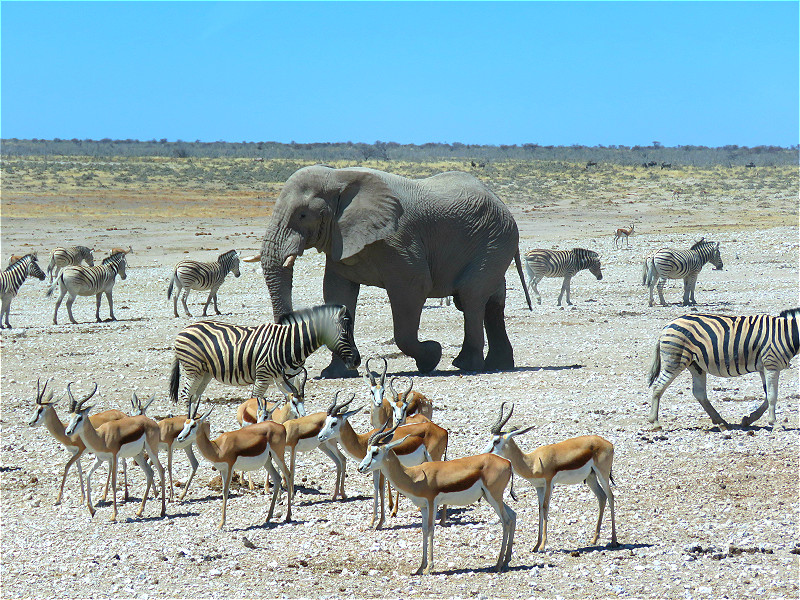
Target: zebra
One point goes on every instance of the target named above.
(666, 264)
(725, 346)
(89, 281)
(541, 263)
(194, 275)
(12, 279)
(66, 257)
(239, 355)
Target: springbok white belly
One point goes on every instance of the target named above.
(131, 448)
(417, 457)
(307, 445)
(463, 497)
(571, 477)
(251, 463)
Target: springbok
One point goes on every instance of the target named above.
(574, 461)
(623, 232)
(247, 449)
(293, 401)
(425, 442)
(124, 438)
(460, 482)
(382, 409)
(45, 414)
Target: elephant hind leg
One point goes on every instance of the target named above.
(500, 354)
(470, 358)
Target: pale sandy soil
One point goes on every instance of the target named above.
(582, 369)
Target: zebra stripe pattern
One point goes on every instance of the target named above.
(725, 346)
(12, 279)
(89, 281)
(236, 355)
(67, 257)
(194, 275)
(541, 263)
(679, 264)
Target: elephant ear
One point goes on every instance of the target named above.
(367, 211)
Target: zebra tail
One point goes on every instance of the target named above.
(513, 495)
(655, 368)
(645, 270)
(169, 289)
(649, 274)
(518, 262)
(54, 285)
(174, 380)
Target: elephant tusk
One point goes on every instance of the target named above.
(255, 258)
(289, 262)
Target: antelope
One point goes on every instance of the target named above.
(45, 414)
(129, 437)
(425, 442)
(461, 481)
(247, 449)
(574, 461)
(382, 409)
(169, 428)
(622, 231)
(293, 406)
(409, 407)
(302, 436)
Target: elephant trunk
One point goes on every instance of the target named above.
(278, 253)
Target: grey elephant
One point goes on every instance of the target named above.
(446, 235)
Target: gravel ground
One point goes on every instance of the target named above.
(700, 513)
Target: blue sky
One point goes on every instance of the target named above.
(706, 73)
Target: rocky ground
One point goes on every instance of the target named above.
(700, 513)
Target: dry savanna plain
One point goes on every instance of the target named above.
(700, 513)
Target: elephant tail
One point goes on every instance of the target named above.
(518, 262)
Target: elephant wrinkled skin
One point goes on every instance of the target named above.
(446, 235)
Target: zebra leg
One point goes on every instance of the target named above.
(58, 303)
(699, 391)
(186, 308)
(770, 381)
(534, 283)
(110, 305)
(688, 289)
(208, 301)
(5, 310)
(661, 283)
(216, 308)
(565, 288)
(665, 378)
(70, 301)
(97, 312)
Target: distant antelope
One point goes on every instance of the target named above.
(676, 194)
(623, 232)
(666, 166)
(591, 163)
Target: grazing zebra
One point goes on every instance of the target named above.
(194, 275)
(11, 280)
(725, 346)
(68, 257)
(237, 355)
(560, 263)
(666, 264)
(89, 281)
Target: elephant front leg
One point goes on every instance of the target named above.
(406, 312)
(338, 290)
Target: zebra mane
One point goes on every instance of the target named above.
(225, 255)
(309, 314)
(113, 258)
(700, 243)
(790, 313)
(584, 253)
(19, 260)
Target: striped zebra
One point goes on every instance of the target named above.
(12, 279)
(68, 257)
(725, 346)
(89, 281)
(559, 263)
(237, 355)
(666, 264)
(195, 275)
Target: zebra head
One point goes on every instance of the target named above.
(86, 254)
(709, 251)
(33, 268)
(376, 387)
(345, 345)
(231, 257)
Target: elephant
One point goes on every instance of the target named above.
(445, 235)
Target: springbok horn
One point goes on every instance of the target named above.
(498, 425)
(72, 403)
(404, 393)
(369, 372)
(385, 368)
(149, 402)
(288, 383)
(387, 437)
(38, 393)
(89, 396)
(136, 406)
(254, 258)
(302, 386)
(332, 407)
(380, 431)
(289, 262)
